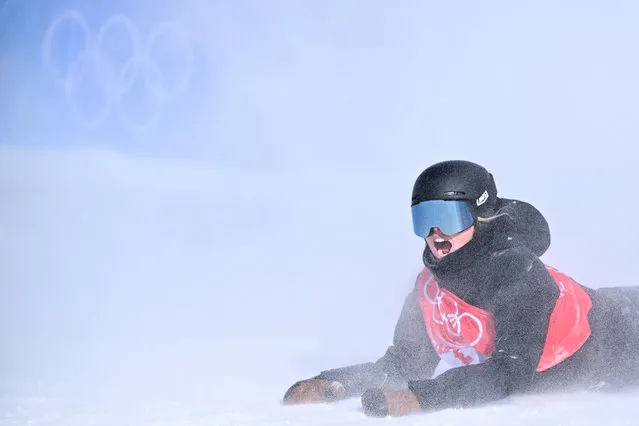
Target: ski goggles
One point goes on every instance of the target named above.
(450, 216)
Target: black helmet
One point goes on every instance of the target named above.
(457, 180)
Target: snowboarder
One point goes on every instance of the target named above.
(487, 309)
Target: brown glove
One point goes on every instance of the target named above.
(313, 391)
(390, 402)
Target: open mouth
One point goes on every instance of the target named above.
(442, 246)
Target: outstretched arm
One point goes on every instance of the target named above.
(411, 356)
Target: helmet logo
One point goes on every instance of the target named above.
(482, 198)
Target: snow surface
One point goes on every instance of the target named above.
(157, 292)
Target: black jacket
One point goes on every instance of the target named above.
(499, 271)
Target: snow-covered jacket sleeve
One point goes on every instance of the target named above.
(411, 356)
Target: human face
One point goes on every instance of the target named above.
(441, 244)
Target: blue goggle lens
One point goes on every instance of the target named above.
(450, 216)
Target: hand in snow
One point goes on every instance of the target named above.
(390, 402)
(314, 390)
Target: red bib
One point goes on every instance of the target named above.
(464, 334)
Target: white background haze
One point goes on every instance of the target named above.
(259, 231)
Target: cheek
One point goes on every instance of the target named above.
(460, 240)
(429, 244)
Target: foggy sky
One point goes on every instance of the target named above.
(316, 115)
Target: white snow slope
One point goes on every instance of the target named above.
(152, 292)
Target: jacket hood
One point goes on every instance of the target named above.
(523, 224)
